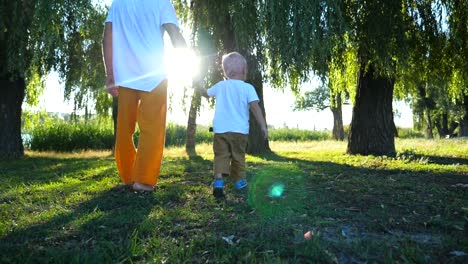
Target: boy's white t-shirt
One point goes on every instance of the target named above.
(232, 106)
(137, 41)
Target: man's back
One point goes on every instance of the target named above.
(138, 46)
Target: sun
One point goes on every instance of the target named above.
(182, 65)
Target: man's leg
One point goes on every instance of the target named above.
(152, 124)
(126, 120)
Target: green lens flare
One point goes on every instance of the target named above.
(276, 190)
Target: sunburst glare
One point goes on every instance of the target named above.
(182, 65)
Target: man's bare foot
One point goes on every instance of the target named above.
(141, 187)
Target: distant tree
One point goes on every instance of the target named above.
(320, 99)
(380, 34)
(35, 38)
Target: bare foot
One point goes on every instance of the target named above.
(141, 187)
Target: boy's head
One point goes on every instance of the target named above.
(234, 66)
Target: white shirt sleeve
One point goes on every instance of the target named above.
(212, 91)
(251, 94)
(168, 14)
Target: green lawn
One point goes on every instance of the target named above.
(64, 208)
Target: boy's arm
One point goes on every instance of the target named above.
(257, 112)
(108, 60)
(178, 41)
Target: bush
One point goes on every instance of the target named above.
(59, 135)
(71, 136)
(409, 133)
(288, 134)
(97, 134)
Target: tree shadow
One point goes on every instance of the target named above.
(39, 170)
(83, 234)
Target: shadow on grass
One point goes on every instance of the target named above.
(318, 194)
(39, 170)
(103, 229)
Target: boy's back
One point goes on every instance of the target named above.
(232, 105)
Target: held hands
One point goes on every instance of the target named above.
(110, 86)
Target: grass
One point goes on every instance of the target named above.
(57, 208)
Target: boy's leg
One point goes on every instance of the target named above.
(152, 124)
(222, 158)
(126, 119)
(239, 146)
(222, 155)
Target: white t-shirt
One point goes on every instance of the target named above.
(137, 41)
(232, 106)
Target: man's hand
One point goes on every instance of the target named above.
(110, 86)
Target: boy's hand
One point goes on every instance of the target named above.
(110, 86)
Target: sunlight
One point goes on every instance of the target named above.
(182, 66)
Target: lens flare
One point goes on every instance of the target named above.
(276, 190)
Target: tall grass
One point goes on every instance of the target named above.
(54, 134)
(62, 136)
(70, 136)
(294, 134)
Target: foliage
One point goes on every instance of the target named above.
(311, 30)
(358, 208)
(404, 133)
(318, 99)
(40, 36)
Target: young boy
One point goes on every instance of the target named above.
(234, 98)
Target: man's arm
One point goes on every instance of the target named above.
(108, 60)
(257, 112)
(178, 41)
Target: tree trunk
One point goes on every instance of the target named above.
(256, 143)
(372, 130)
(11, 100)
(445, 129)
(192, 124)
(338, 130)
(429, 128)
(463, 130)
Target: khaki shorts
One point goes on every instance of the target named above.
(229, 150)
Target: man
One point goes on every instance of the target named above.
(133, 50)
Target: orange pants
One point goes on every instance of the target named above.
(149, 110)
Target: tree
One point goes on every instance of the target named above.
(235, 25)
(380, 33)
(321, 99)
(35, 38)
(205, 47)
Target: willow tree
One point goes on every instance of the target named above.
(35, 38)
(379, 32)
(234, 25)
(433, 79)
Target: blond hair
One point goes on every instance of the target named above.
(234, 64)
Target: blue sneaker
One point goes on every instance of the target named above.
(240, 184)
(218, 188)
